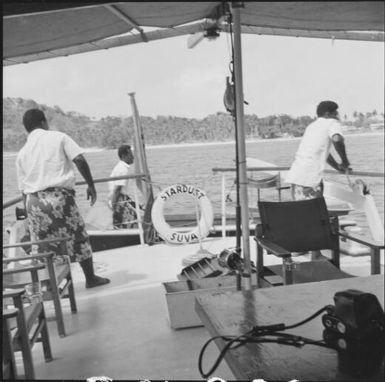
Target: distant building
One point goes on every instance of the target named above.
(377, 126)
(348, 128)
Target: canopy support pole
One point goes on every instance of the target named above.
(142, 166)
(241, 145)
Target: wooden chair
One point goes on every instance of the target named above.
(9, 363)
(56, 278)
(26, 324)
(302, 226)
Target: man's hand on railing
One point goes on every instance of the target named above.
(91, 194)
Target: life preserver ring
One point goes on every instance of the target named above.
(171, 235)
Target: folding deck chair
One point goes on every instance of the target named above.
(302, 226)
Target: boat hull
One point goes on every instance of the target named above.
(105, 240)
(102, 240)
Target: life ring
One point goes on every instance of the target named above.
(171, 235)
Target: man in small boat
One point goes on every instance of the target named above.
(123, 207)
(306, 172)
(46, 178)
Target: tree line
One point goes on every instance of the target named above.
(110, 132)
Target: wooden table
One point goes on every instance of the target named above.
(234, 313)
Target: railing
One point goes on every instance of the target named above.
(222, 170)
(285, 168)
(225, 170)
(13, 201)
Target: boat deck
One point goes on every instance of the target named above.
(122, 330)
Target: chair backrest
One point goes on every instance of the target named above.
(297, 226)
(31, 327)
(9, 362)
(266, 182)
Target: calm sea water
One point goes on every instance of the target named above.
(192, 164)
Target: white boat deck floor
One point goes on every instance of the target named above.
(122, 330)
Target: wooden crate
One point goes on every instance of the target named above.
(180, 298)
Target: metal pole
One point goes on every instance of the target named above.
(238, 213)
(138, 216)
(141, 159)
(236, 12)
(223, 205)
(146, 188)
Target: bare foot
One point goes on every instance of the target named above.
(97, 281)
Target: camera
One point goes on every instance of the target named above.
(355, 314)
(355, 327)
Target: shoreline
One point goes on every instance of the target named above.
(215, 143)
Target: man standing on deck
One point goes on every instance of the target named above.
(313, 153)
(123, 207)
(46, 179)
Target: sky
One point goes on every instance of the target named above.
(282, 75)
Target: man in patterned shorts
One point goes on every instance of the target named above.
(123, 207)
(306, 172)
(46, 179)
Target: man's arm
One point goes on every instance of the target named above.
(20, 178)
(332, 162)
(84, 169)
(24, 196)
(115, 195)
(339, 145)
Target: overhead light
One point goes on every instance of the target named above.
(212, 33)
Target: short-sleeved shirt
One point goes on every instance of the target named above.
(310, 159)
(46, 161)
(121, 169)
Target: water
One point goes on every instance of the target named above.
(192, 164)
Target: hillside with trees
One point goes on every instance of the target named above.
(110, 131)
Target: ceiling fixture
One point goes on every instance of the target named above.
(211, 32)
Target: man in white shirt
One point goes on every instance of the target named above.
(313, 153)
(46, 178)
(122, 205)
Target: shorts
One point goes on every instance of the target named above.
(53, 213)
(299, 192)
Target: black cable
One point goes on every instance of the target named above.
(324, 309)
(296, 341)
(283, 338)
(280, 338)
(262, 334)
(263, 329)
(231, 340)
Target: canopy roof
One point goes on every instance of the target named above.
(39, 30)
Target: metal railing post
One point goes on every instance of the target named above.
(139, 218)
(223, 204)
